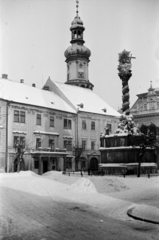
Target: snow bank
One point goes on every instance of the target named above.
(58, 176)
(83, 185)
(52, 173)
(108, 184)
(18, 174)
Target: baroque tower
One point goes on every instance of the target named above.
(77, 56)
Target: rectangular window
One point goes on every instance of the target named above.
(84, 125)
(68, 145)
(92, 145)
(110, 127)
(16, 116)
(19, 141)
(152, 105)
(51, 121)
(38, 119)
(84, 143)
(19, 116)
(67, 124)
(38, 143)
(92, 125)
(22, 117)
(141, 106)
(145, 106)
(51, 144)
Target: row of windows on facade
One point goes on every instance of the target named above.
(19, 116)
(67, 144)
(145, 106)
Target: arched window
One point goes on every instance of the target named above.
(75, 34)
(79, 34)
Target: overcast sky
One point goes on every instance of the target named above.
(35, 34)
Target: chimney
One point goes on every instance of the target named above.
(46, 88)
(33, 85)
(5, 76)
(21, 80)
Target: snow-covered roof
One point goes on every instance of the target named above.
(91, 102)
(22, 93)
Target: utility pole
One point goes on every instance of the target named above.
(6, 152)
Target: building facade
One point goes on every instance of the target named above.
(60, 125)
(146, 108)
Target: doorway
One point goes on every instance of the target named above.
(45, 166)
(94, 164)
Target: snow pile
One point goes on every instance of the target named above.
(27, 173)
(18, 174)
(52, 174)
(108, 184)
(60, 177)
(83, 185)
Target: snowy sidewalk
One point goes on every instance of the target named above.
(145, 213)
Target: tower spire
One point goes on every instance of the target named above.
(77, 55)
(77, 6)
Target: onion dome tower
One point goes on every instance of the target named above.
(77, 56)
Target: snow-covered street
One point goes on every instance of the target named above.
(56, 206)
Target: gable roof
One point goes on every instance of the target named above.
(75, 96)
(21, 93)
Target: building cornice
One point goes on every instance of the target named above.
(146, 115)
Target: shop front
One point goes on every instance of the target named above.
(48, 161)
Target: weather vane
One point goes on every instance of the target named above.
(77, 6)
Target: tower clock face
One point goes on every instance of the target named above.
(81, 74)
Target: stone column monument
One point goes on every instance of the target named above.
(124, 69)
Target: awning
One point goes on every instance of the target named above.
(46, 133)
(103, 165)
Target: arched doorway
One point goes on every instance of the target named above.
(94, 164)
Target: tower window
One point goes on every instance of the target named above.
(79, 34)
(75, 34)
